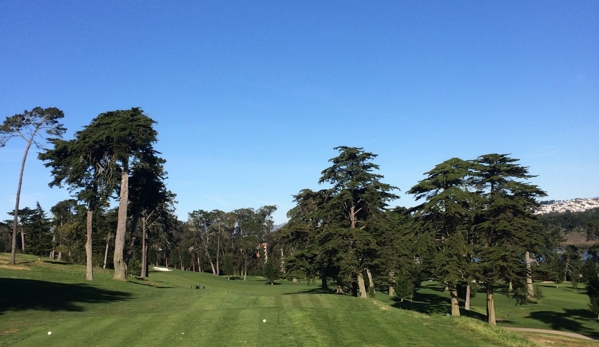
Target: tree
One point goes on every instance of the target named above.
(150, 200)
(447, 215)
(29, 125)
(271, 271)
(357, 197)
(505, 224)
(122, 138)
(338, 221)
(88, 171)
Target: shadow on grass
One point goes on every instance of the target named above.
(318, 290)
(569, 320)
(21, 294)
(434, 301)
(57, 262)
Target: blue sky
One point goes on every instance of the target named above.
(251, 96)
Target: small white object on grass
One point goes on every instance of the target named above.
(49, 333)
(264, 321)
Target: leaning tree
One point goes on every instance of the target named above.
(29, 126)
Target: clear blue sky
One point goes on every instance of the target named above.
(251, 97)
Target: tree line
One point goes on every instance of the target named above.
(474, 225)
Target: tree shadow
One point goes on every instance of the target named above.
(434, 303)
(22, 294)
(318, 290)
(569, 320)
(57, 262)
(424, 303)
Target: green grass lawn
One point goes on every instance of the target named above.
(562, 308)
(168, 310)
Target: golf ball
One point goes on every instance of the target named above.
(264, 321)
(49, 333)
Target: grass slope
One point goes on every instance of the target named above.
(168, 310)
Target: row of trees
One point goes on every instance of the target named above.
(475, 223)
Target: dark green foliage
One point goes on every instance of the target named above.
(404, 286)
(271, 271)
(447, 217)
(337, 225)
(538, 294)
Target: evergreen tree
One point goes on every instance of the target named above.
(505, 224)
(447, 214)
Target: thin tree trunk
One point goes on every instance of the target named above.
(22, 240)
(455, 306)
(144, 249)
(323, 282)
(391, 283)
(354, 286)
(245, 267)
(210, 259)
(467, 298)
(361, 285)
(120, 268)
(339, 285)
(217, 253)
(531, 290)
(89, 267)
(106, 251)
(490, 307)
(370, 283)
(13, 254)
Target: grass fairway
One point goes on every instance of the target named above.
(167, 310)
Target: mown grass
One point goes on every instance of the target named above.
(563, 308)
(168, 310)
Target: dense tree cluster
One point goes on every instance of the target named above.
(475, 223)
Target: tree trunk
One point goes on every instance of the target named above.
(455, 305)
(323, 282)
(339, 285)
(354, 287)
(531, 290)
(89, 267)
(144, 249)
(370, 283)
(217, 253)
(106, 251)
(120, 268)
(361, 285)
(490, 307)
(391, 283)
(209, 259)
(13, 254)
(22, 240)
(245, 267)
(467, 298)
